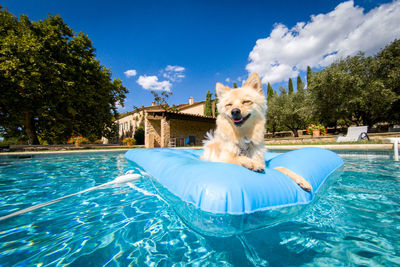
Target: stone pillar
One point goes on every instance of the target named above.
(165, 132)
(149, 141)
(153, 133)
(148, 137)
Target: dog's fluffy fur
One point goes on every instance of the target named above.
(239, 136)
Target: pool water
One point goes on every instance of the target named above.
(356, 222)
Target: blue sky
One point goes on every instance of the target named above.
(188, 46)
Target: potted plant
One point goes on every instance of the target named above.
(316, 130)
(78, 140)
(128, 141)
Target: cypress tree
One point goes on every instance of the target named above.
(290, 86)
(270, 92)
(216, 103)
(234, 85)
(300, 85)
(208, 105)
(309, 75)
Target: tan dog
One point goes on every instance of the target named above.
(239, 136)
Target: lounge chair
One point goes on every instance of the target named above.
(354, 134)
(190, 141)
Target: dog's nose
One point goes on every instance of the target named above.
(235, 112)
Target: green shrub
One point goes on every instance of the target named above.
(139, 135)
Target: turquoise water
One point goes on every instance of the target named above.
(356, 222)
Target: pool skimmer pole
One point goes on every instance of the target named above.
(127, 177)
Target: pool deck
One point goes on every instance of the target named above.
(63, 151)
(364, 147)
(361, 147)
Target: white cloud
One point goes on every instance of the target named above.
(228, 80)
(327, 37)
(119, 105)
(130, 73)
(170, 73)
(173, 73)
(174, 68)
(152, 83)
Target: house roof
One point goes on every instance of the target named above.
(187, 105)
(177, 112)
(138, 110)
(181, 115)
(158, 108)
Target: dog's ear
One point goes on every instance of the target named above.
(221, 89)
(254, 82)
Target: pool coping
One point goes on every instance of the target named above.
(62, 151)
(361, 147)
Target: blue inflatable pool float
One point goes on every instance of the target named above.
(225, 199)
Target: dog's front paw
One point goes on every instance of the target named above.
(259, 165)
(258, 169)
(253, 166)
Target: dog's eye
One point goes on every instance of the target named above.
(228, 105)
(246, 102)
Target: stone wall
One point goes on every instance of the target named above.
(300, 140)
(128, 124)
(195, 109)
(153, 127)
(180, 128)
(198, 109)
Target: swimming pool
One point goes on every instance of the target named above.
(356, 222)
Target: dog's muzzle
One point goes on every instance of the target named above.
(237, 117)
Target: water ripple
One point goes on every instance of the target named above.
(356, 222)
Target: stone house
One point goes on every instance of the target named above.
(170, 129)
(166, 128)
(127, 124)
(196, 108)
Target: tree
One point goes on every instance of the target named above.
(235, 85)
(139, 135)
(329, 95)
(272, 120)
(53, 86)
(112, 134)
(270, 92)
(162, 99)
(387, 70)
(290, 86)
(208, 105)
(287, 111)
(300, 85)
(216, 103)
(348, 92)
(309, 76)
(272, 117)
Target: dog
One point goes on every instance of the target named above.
(239, 135)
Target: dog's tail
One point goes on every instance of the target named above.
(208, 153)
(209, 138)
